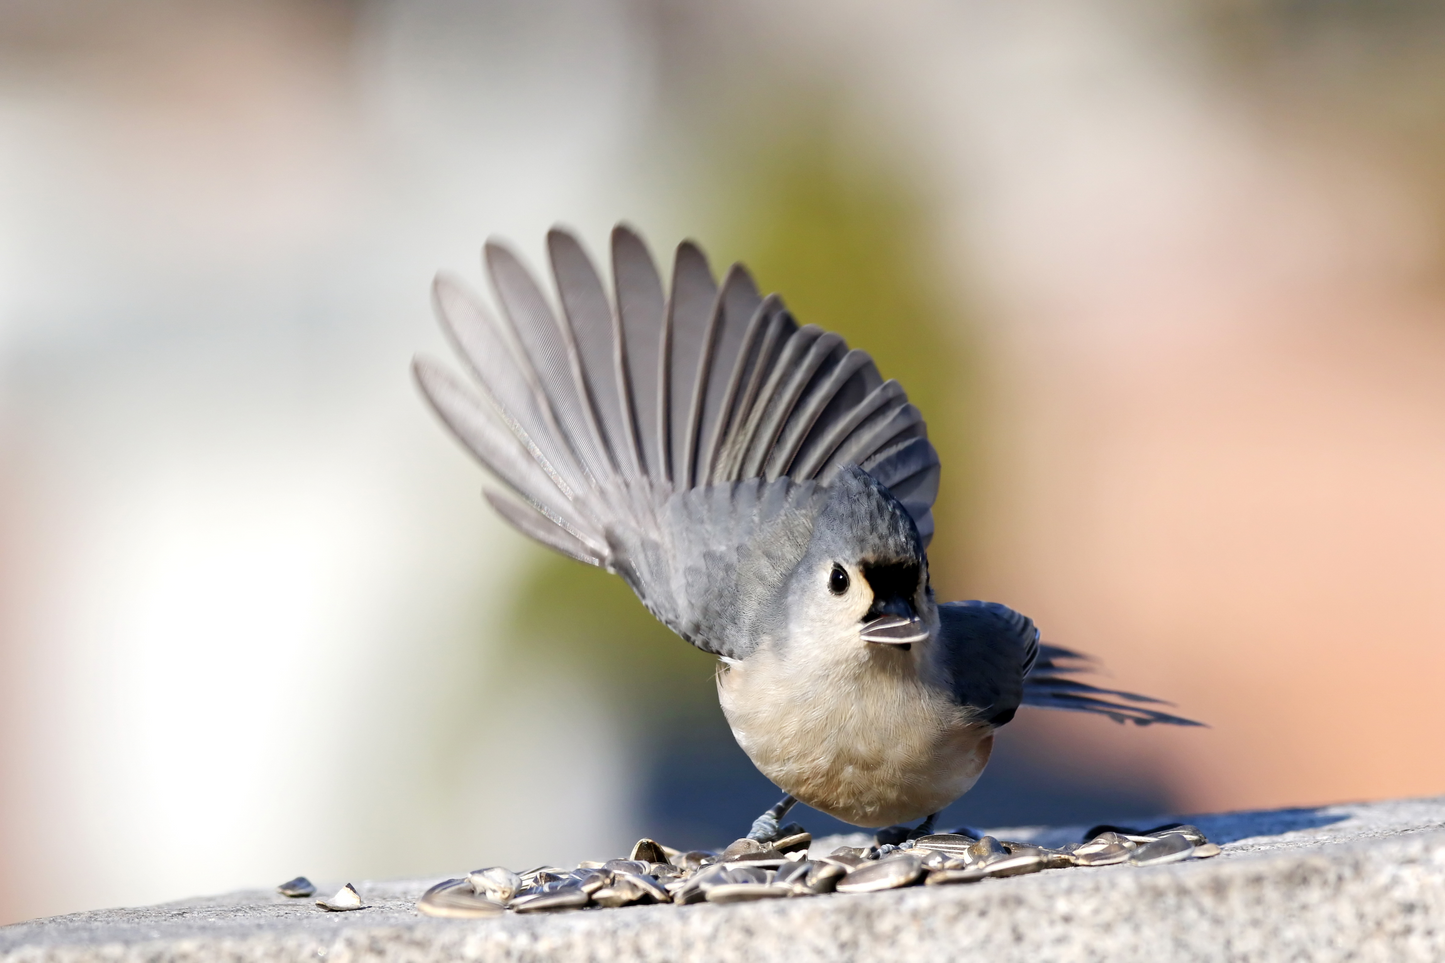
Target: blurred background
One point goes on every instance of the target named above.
(1166, 279)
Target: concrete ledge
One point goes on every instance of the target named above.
(1351, 882)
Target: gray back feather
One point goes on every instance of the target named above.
(683, 439)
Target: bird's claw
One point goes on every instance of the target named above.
(765, 828)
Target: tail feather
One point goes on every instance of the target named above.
(1047, 686)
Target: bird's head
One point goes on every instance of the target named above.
(863, 583)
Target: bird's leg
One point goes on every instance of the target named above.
(924, 828)
(765, 827)
(898, 835)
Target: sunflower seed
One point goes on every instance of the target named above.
(496, 883)
(1014, 865)
(987, 848)
(456, 899)
(591, 880)
(1053, 858)
(1168, 848)
(890, 873)
(944, 877)
(933, 859)
(300, 886)
(645, 885)
(1133, 835)
(823, 877)
(648, 850)
(797, 842)
(626, 865)
(764, 860)
(951, 843)
(694, 890)
(1101, 855)
(793, 874)
(627, 889)
(568, 897)
(346, 898)
(689, 895)
(1105, 840)
(694, 860)
(846, 859)
(740, 847)
(746, 892)
(1206, 850)
(746, 873)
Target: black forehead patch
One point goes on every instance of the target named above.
(892, 580)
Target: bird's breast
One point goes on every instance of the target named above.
(860, 738)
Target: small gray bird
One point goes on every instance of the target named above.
(768, 496)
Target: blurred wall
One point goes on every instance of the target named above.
(1166, 276)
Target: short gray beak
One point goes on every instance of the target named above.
(894, 630)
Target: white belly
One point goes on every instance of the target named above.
(864, 741)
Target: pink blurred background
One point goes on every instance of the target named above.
(1186, 359)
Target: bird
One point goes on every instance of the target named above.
(768, 496)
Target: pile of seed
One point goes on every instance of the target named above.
(748, 870)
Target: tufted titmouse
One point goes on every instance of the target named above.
(768, 496)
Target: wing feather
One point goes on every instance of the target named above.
(658, 432)
(502, 452)
(722, 363)
(846, 383)
(778, 329)
(585, 307)
(641, 310)
(549, 347)
(689, 326)
(509, 383)
(909, 470)
(825, 440)
(538, 526)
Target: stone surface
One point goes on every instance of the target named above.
(1349, 882)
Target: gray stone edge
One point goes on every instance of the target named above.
(1380, 899)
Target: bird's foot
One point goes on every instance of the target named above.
(767, 826)
(898, 835)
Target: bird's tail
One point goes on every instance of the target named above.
(1049, 685)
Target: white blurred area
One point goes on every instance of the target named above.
(246, 583)
(243, 570)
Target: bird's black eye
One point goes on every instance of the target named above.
(838, 580)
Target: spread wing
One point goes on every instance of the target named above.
(610, 422)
